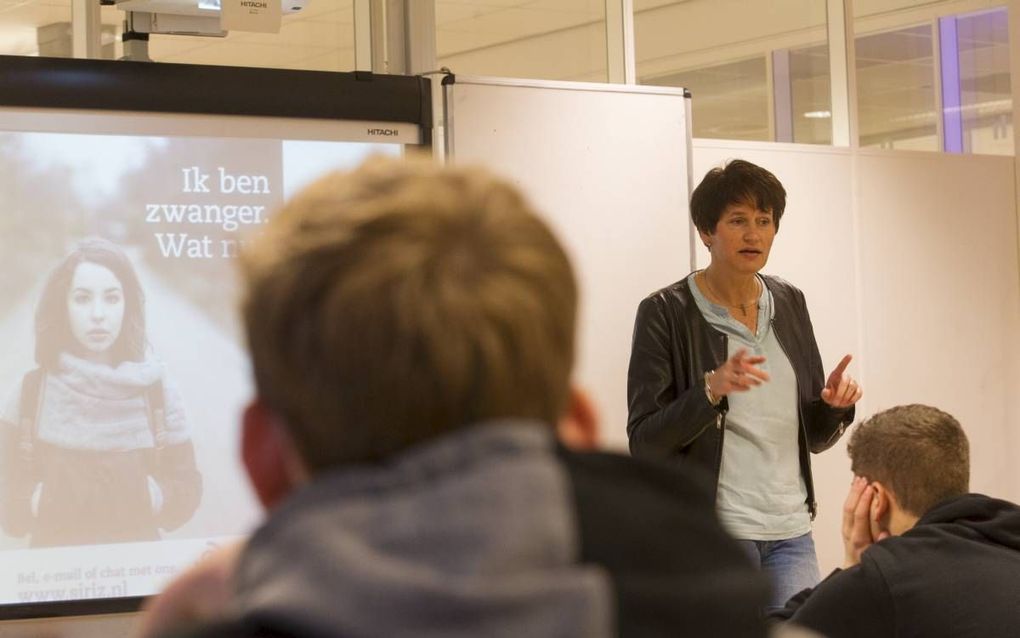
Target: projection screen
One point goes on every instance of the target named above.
(127, 190)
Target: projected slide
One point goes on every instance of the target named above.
(122, 365)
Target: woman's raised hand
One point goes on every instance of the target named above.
(740, 373)
(841, 391)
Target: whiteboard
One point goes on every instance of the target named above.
(607, 166)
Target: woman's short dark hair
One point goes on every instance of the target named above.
(52, 322)
(738, 182)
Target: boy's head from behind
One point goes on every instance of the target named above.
(918, 452)
(403, 300)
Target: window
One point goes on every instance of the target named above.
(985, 97)
(931, 79)
(543, 39)
(729, 101)
(756, 70)
(896, 89)
(809, 118)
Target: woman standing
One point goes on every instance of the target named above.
(95, 446)
(725, 374)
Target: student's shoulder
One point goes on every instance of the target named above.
(614, 474)
(849, 602)
(653, 529)
(639, 511)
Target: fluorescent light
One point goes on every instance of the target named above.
(818, 115)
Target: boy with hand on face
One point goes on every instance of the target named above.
(924, 557)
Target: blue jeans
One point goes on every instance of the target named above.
(790, 564)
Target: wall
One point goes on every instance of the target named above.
(940, 296)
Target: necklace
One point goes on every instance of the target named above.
(743, 306)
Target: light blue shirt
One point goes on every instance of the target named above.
(761, 495)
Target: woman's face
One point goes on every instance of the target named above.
(742, 239)
(95, 308)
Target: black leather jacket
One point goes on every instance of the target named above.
(674, 346)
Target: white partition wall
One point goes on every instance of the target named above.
(942, 301)
(607, 166)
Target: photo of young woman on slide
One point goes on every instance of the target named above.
(94, 444)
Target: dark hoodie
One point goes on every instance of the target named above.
(494, 530)
(956, 573)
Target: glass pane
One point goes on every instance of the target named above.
(811, 95)
(754, 68)
(729, 101)
(896, 75)
(41, 28)
(544, 39)
(895, 89)
(986, 102)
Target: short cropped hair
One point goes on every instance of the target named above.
(919, 452)
(738, 182)
(389, 305)
(52, 323)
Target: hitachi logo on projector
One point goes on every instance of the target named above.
(254, 3)
(386, 132)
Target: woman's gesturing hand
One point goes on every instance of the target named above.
(739, 374)
(841, 391)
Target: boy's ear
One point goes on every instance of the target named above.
(578, 428)
(269, 455)
(882, 504)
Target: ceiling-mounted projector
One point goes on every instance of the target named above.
(207, 8)
(185, 17)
